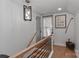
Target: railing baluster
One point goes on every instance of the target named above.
(37, 49)
(40, 50)
(44, 51)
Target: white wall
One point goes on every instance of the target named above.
(61, 37)
(77, 31)
(15, 33)
(77, 34)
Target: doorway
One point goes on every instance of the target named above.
(47, 25)
(38, 28)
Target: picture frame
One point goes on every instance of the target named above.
(60, 21)
(27, 13)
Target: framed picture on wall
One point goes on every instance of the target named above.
(60, 21)
(27, 13)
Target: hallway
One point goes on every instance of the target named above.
(21, 19)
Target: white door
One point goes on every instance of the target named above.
(47, 25)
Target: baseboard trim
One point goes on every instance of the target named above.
(59, 44)
(77, 53)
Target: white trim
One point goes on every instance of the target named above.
(77, 53)
(51, 53)
(59, 44)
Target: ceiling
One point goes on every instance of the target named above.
(50, 6)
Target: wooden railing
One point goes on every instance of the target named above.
(38, 50)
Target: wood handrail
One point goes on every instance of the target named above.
(42, 48)
(31, 39)
(30, 47)
(36, 50)
(43, 52)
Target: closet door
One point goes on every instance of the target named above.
(47, 25)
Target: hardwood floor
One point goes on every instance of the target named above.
(63, 52)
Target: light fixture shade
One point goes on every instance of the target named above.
(59, 9)
(27, 1)
(27, 13)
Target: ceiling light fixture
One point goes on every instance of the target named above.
(27, 11)
(59, 9)
(27, 1)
